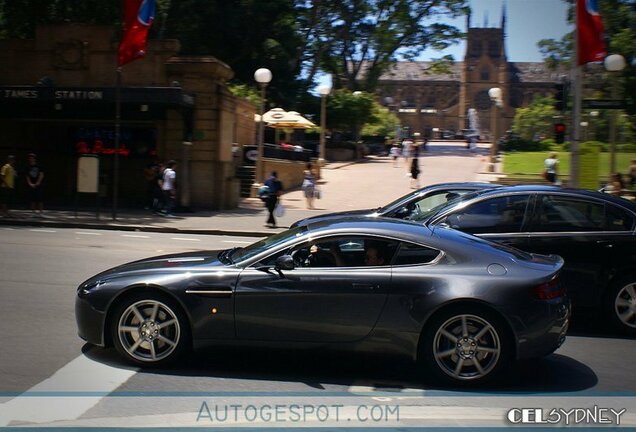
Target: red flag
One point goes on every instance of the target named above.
(591, 44)
(138, 17)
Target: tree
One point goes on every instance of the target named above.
(535, 119)
(349, 112)
(358, 40)
(385, 122)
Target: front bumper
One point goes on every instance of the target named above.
(90, 322)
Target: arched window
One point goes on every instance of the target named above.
(485, 74)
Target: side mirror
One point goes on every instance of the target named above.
(285, 262)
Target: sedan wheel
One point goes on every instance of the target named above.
(148, 330)
(623, 305)
(466, 347)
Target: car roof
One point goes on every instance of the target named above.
(372, 226)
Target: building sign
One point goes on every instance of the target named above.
(133, 142)
(45, 94)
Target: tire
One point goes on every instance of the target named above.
(149, 329)
(620, 304)
(450, 355)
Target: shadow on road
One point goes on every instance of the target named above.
(553, 374)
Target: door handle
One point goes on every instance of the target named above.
(605, 243)
(365, 287)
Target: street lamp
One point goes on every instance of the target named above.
(613, 63)
(262, 76)
(324, 92)
(593, 122)
(495, 95)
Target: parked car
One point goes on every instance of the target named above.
(410, 205)
(461, 306)
(592, 231)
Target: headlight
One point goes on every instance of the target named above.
(86, 287)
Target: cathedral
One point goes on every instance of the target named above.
(438, 105)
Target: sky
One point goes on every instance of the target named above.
(527, 22)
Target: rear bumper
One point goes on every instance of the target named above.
(90, 322)
(547, 334)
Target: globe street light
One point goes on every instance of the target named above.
(324, 92)
(262, 76)
(495, 95)
(613, 63)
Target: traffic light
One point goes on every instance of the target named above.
(560, 97)
(559, 133)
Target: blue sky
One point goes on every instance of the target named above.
(528, 21)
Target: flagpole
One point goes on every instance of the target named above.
(117, 139)
(577, 88)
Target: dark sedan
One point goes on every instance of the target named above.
(411, 205)
(461, 306)
(592, 231)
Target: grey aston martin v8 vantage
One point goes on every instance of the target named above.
(460, 306)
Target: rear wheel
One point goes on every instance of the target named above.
(149, 329)
(620, 304)
(465, 346)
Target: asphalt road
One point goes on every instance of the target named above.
(40, 352)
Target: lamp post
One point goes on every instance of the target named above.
(613, 63)
(495, 95)
(593, 124)
(324, 92)
(262, 76)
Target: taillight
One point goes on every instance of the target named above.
(549, 290)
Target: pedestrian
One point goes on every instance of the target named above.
(309, 185)
(407, 146)
(551, 168)
(415, 172)
(616, 184)
(275, 189)
(631, 174)
(7, 184)
(34, 178)
(395, 155)
(157, 189)
(169, 188)
(150, 175)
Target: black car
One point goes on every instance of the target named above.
(462, 306)
(592, 231)
(409, 206)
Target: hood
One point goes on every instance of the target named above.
(181, 261)
(329, 216)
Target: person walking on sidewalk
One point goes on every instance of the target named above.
(551, 168)
(415, 169)
(35, 177)
(275, 189)
(309, 185)
(7, 184)
(169, 188)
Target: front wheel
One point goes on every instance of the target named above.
(465, 347)
(620, 304)
(148, 329)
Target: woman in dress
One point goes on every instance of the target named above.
(309, 185)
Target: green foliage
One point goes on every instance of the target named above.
(535, 119)
(246, 92)
(348, 112)
(385, 122)
(357, 40)
(520, 144)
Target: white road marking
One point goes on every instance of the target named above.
(42, 230)
(87, 233)
(80, 375)
(184, 239)
(241, 242)
(135, 236)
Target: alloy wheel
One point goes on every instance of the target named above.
(625, 305)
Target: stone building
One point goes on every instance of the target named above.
(57, 99)
(430, 103)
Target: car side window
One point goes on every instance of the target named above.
(433, 200)
(495, 215)
(618, 219)
(349, 251)
(558, 213)
(410, 254)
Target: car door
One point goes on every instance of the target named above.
(499, 218)
(327, 299)
(589, 235)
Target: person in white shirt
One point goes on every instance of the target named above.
(169, 187)
(551, 168)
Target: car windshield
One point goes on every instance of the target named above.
(267, 243)
(392, 204)
(426, 215)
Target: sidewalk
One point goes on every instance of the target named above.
(368, 183)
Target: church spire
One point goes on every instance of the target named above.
(503, 17)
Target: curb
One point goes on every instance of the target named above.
(138, 228)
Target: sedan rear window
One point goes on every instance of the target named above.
(410, 254)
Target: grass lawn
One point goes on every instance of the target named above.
(531, 163)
